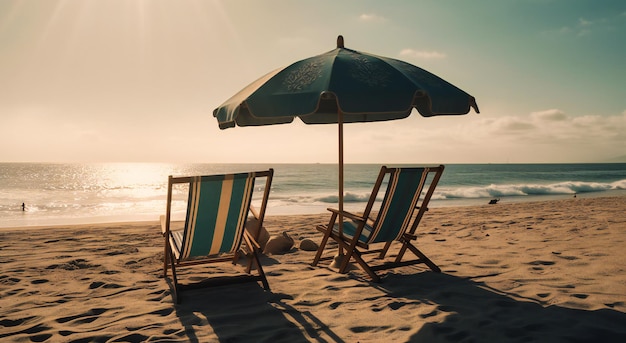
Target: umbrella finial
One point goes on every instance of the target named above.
(340, 41)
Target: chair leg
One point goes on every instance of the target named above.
(249, 266)
(320, 249)
(327, 233)
(359, 259)
(166, 256)
(383, 252)
(266, 285)
(405, 244)
(423, 257)
(176, 290)
(353, 252)
(350, 251)
(346, 258)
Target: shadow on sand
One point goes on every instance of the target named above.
(474, 312)
(268, 318)
(221, 309)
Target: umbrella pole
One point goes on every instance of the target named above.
(340, 124)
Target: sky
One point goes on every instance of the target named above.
(137, 80)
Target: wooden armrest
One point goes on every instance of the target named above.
(346, 214)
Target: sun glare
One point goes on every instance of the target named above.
(136, 173)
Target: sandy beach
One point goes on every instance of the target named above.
(527, 272)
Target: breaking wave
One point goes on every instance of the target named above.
(560, 188)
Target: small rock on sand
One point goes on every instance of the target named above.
(279, 244)
(308, 244)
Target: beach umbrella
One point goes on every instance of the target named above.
(342, 86)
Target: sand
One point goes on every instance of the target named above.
(527, 272)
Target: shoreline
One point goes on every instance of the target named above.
(304, 210)
(538, 271)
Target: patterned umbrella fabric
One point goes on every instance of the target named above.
(362, 87)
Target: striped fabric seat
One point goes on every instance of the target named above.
(218, 207)
(216, 214)
(403, 192)
(405, 201)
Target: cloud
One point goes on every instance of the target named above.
(372, 17)
(549, 115)
(547, 136)
(506, 125)
(587, 27)
(554, 126)
(543, 136)
(428, 55)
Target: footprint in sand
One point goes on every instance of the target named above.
(14, 291)
(163, 312)
(335, 305)
(569, 258)
(37, 329)
(123, 251)
(96, 284)
(617, 303)
(11, 323)
(133, 337)
(112, 286)
(40, 338)
(568, 286)
(86, 317)
(73, 265)
(33, 330)
(580, 295)
(9, 281)
(110, 272)
(429, 314)
(541, 263)
(396, 305)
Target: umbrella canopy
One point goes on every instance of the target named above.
(360, 86)
(342, 85)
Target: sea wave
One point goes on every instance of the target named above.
(503, 190)
(348, 197)
(459, 193)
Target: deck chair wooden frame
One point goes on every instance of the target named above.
(215, 226)
(409, 190)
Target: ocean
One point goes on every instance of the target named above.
(60, 194)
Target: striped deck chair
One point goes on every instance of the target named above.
(408, 191)
(215, 226)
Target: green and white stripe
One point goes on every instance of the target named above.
(216, 214)
(403, 193)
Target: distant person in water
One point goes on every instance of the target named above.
(23, 207)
